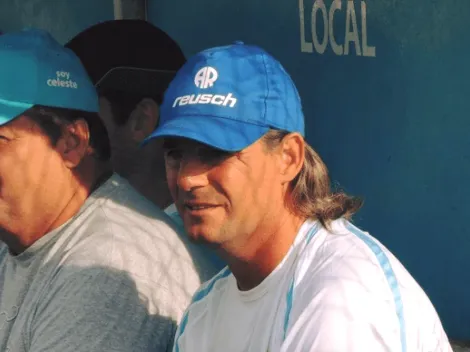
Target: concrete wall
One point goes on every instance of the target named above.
(387, 106)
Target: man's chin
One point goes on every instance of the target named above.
(201, 236)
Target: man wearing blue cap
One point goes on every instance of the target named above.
(300, 276)
(86, 262)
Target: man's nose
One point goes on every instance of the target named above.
(192, 174)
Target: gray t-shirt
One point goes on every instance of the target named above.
(116, 277)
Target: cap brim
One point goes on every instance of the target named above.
(220, 133)
(9, 110)
(135, 80)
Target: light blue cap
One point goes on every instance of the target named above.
(36, 70)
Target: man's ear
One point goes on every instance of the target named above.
(74, 144)
(144, 119)
(292, 155)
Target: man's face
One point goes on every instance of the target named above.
(120, 138)
(222, 197)
(31, 175)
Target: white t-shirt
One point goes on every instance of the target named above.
(333, 292)
(116, 277)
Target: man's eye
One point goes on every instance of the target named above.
(173, 154)
(213, 155)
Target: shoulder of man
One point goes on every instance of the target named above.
(203, 299)
(346, 281)
(123, 231)
(345, 246)
(99, 309)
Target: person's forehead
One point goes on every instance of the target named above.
(190, 144)
(181, 142)
(18, 125)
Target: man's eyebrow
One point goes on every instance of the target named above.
(7, 130)
(169, 144)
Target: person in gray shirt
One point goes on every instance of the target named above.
(86, 262)
(131, 62)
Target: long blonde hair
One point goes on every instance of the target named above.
(311, 195)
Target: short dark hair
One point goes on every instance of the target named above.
(48, 117)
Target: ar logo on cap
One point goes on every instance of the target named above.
(206, 77)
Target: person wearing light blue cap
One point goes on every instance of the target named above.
(86, 262)
(300, 275)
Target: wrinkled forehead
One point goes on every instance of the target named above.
(20, 125)
(184, 143)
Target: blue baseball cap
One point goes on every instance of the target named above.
(228, 97)
(36, 70)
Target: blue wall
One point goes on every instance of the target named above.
(63, 18)
(393, 126)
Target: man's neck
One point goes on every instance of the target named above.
(252, 261)
(146, 173)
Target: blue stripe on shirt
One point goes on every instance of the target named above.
(390, 277)
(203, 292)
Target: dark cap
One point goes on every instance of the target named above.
(129, 56)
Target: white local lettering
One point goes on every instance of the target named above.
(351, 34)
(215, 99)
(62, 80)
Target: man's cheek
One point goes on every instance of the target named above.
(171, 177)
